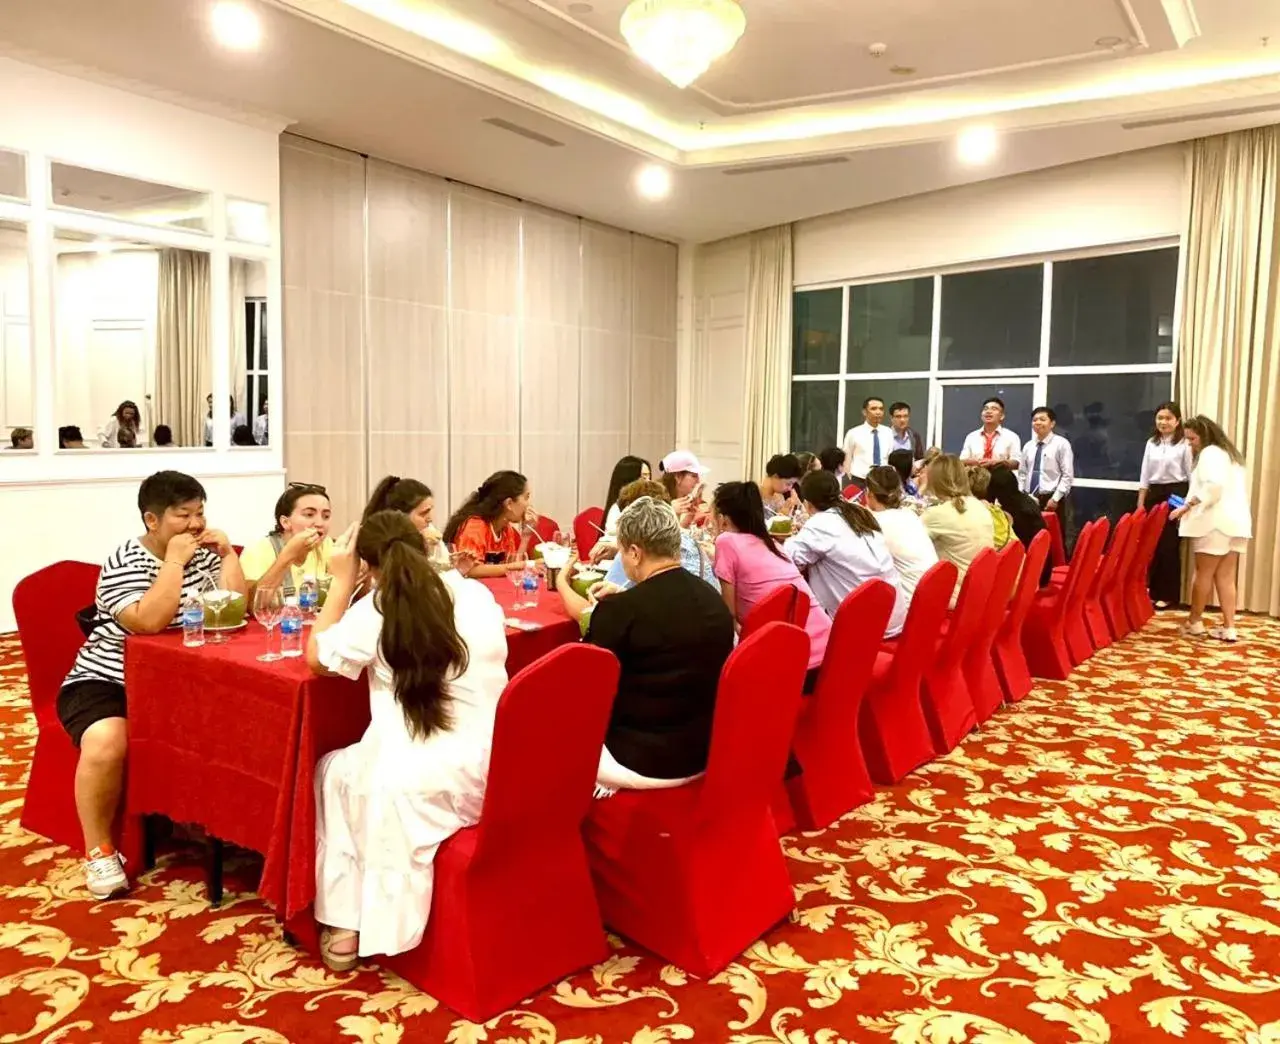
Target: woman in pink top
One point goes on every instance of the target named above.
(750, 565)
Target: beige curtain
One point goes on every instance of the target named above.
(239, 338)
(183, 376)
(768, 354)
(1229, 365)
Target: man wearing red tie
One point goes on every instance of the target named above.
(992, 445)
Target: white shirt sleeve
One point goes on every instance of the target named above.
(809, 545)
(1144, 476)
(972, 446)
(1011, 445)
(350, 645)
(1066, 470)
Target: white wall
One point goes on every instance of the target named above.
(712, 369)
(79, 504)
(1119, 199)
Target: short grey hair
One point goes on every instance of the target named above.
(651, 526)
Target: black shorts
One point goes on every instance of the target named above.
(82, 703)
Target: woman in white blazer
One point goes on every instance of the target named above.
(1216, 517)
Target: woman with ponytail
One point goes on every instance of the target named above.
(409, 497)
(488, 526)
(841, 547)
(435, 649)
(750, 566)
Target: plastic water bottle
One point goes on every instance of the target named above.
(308, 599)
(193, 622)
(291, 629)
(529, 587)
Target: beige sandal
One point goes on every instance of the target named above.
(339, 960)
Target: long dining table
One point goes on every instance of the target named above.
(220, 739)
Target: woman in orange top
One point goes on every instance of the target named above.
(488, 525)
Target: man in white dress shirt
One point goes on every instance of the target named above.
(992, 445)
(870, 443)
(1048, 466)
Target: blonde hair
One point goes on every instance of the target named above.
(948, 480)
(979, 482)
(633, 491)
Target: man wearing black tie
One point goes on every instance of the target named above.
(1048, 468)
(869, 444)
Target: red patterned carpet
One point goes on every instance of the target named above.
(1100, 863)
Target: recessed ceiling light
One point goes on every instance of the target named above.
(580, 9)
(976, 145)
(653, 182)
(1108, 41)
(902, 70)
(236, 26)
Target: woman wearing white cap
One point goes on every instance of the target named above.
(682, 474)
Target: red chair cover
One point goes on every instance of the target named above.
(546, 528)
(513, 908)
(785, 604)
(834, 777)
(695, 874)
(587, 529)
(1044, 631)
(948, 704)
(891, 727)
(1110, 570)
(45, 606)
(1059, 546)
(1113, 594)
(1010, 660)
(978, 661)
(1137, 598)
(1079, 643)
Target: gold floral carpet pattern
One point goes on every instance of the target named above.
(1099, 863)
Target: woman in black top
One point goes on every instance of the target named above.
(1023, 508)
(672, 634)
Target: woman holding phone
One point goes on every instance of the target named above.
(682, 475)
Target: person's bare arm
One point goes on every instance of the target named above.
(152, 613)
(231, 575)
(344, 568)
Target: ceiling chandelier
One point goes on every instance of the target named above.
(681, 38)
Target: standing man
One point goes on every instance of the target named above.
(992, 445)
(904, 436)
(869, 444)
(1048, 467)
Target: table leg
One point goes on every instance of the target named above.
(149, 842)
(215, 872)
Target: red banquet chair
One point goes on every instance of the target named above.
(546, 529)
(1104, 580)
(785, 604)
(833, 775)
(1137, 596)
(513, 908)
(588, 528)
(1079, 642)
(1010, 661)
(45, 606)
(1058, 552)
(1044, 632)
(949, 706)
(978, 658)
(1113, 596)
(695, 873)
(892, 729)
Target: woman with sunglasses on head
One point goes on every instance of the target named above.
(494, 523)
(1166, 472)
(298, 547)
(1217, 518)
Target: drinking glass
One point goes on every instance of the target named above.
(217, 600)
(268, 604)
(515, 573)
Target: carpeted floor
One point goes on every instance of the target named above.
(1100, 863)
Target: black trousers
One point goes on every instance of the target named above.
(1165, 578)
(1066, 518)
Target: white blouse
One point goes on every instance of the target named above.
(1222, 489)
(1165, 462)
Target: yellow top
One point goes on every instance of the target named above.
(260, 556)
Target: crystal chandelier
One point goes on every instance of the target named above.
(681, 38)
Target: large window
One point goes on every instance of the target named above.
(1090, 336)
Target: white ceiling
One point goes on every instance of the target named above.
(1032, 68)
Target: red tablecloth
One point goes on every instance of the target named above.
(219, 739)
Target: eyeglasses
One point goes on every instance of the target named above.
(310, 487)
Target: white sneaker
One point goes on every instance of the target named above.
(104, 875)
(1224, 634)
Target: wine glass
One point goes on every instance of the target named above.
(515, 573)
(268, 604)
(217, 600)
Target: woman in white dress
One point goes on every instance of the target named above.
(904, 533)
(435, 648)
(1217, 518)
